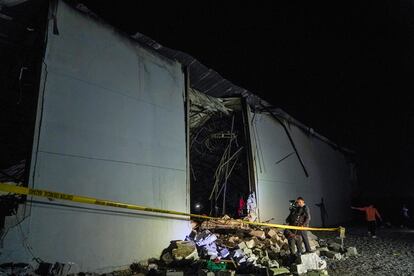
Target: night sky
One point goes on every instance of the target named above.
(345, 71)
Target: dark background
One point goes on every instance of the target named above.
(344, 70)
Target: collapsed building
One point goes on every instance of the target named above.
(127, 119)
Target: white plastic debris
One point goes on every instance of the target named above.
(251, 207)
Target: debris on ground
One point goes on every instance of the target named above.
(351, 251)
(334, 246)
(309, 262)
(231, 247)
(392, 253)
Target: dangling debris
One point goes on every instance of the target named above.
(252, 207)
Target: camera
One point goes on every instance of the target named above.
(292, 205)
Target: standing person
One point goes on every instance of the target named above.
(371, 213)
(405, 217)
(304, 212)
(324, 214)
(242, 206)
(300, 216)
(294, 236)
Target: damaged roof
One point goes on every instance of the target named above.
(209, 82)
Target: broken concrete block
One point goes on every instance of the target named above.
(259, 244)
(258, 252)
(253, 258)
(331, 255)
(185, 250)
(273, 264)
(351, 251)
(275, 248)
(271, 233)
(250, 244)
(275, 239)
(247, 251)
(267, 243)
(334, 246)
(258, 233)
(152, 266)
(337, 256)
(313, 244)
(280, 270)
(233, 239)
(242, 245)
(322, 264)
(300, 269)
(312, 261)
(285, 245)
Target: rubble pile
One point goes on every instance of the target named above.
(224, 247)
(234, 246)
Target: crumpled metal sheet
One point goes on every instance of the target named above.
(213, 84)
(203, 107)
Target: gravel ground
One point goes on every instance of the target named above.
(391, 253)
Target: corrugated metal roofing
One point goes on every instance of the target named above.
(210, 82)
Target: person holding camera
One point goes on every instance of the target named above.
(299, 216)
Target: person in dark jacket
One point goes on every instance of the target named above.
(300, 216)
(405, 217)
(295, 239)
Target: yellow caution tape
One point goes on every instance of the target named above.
(6, 187)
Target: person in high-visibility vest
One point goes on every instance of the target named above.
(371, 213)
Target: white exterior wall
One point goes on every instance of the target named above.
(276, 184)
(112, 127)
